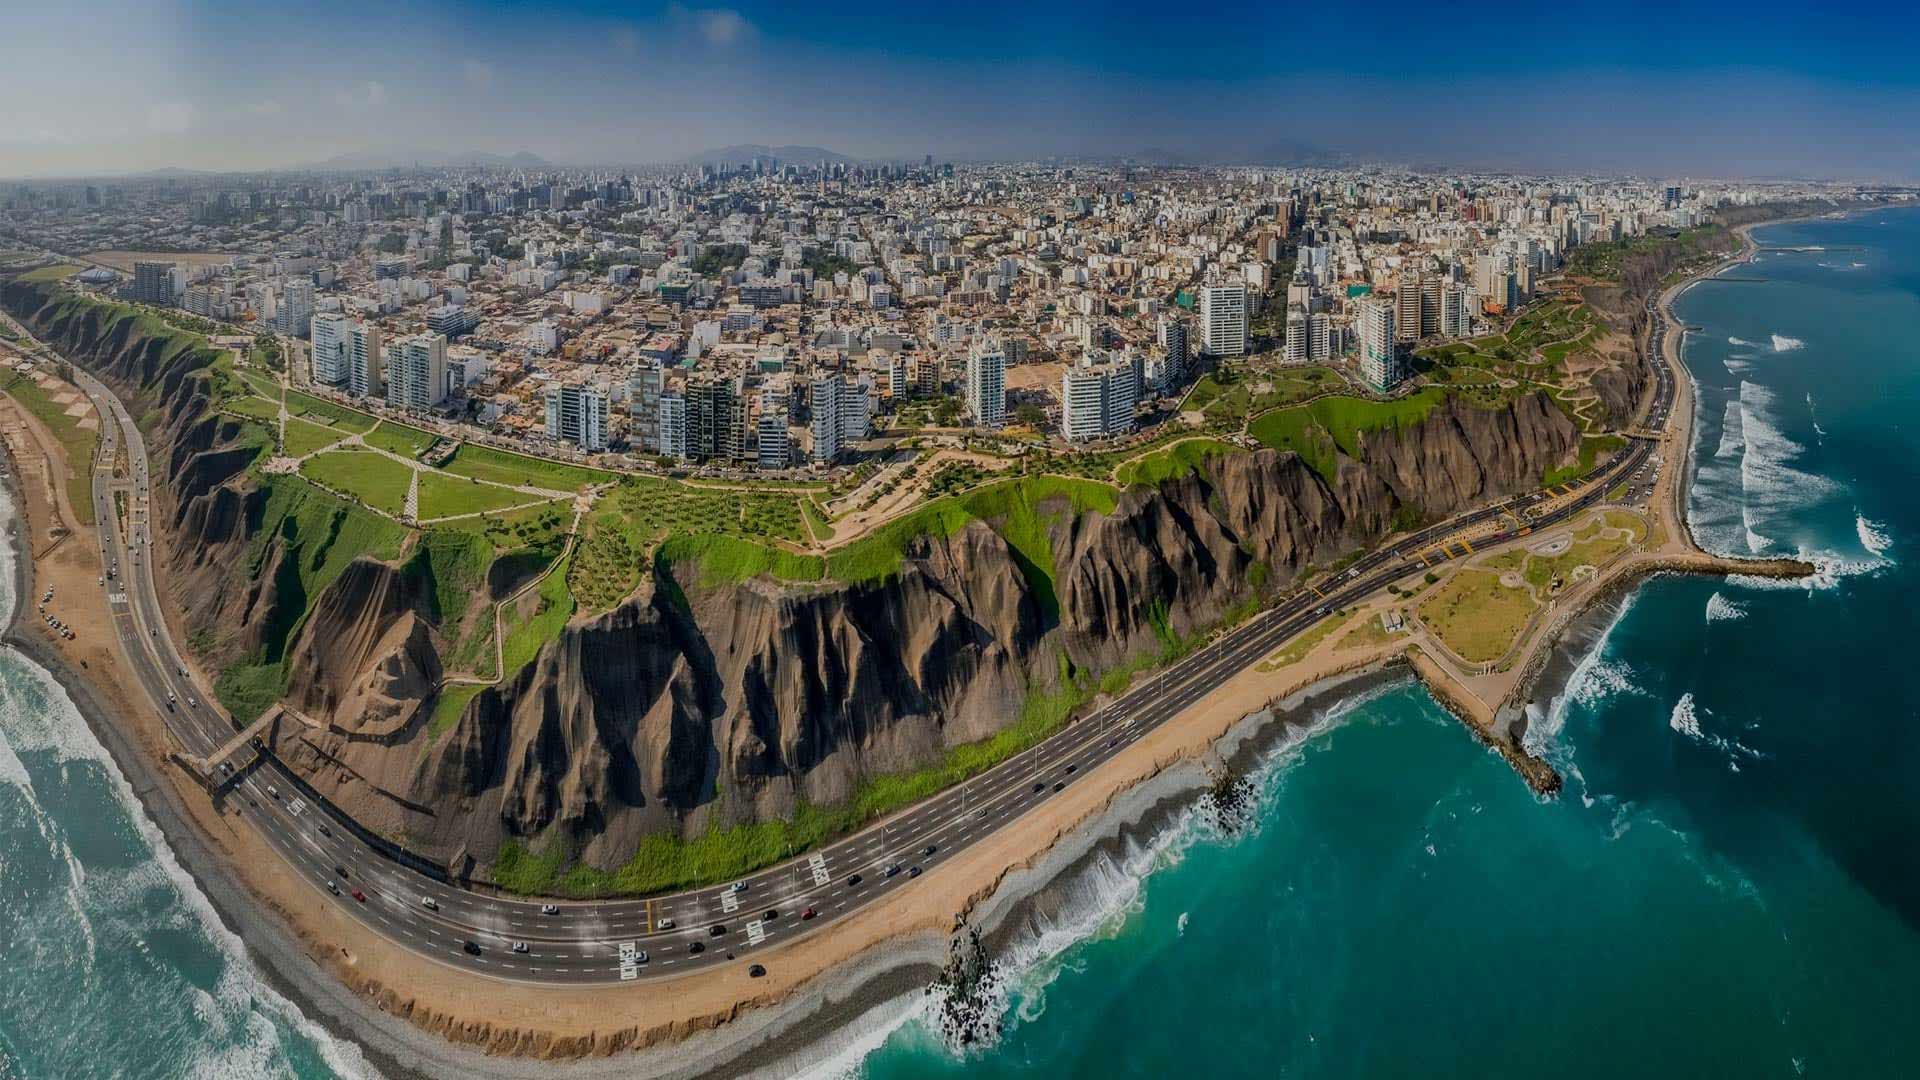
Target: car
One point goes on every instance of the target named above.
(333, 887)
(1038, 787)
(519, 946)
(470, 947)
(324, 831)
(549, 909)
(360, 896)
(772, 914)
(893, 870)
(718, 929)
(808, 914)
(1071, 768)
(341, 870)
(640, 957)
(696, 948)
(430, 903)
(756, 971)
(737, 887)
(1059, 786)
(913, 872)
(273, 791)
(226, 767)
(853, 880)
(929, 850)
(663, 924)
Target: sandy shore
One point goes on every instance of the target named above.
(416, 1017)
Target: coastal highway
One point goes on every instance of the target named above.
(605, 942)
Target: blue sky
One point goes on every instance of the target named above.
(1669, 89)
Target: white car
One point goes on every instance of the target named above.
(663, 924)
(430, 903)
(737, 887)
(549, 909)
(519, 946)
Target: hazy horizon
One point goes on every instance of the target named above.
(1681, 90)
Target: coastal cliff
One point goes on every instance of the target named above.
(693, 704)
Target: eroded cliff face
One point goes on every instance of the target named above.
(688, 706)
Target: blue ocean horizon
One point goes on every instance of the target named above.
(1728, 885)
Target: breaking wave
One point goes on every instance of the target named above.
(1721, 609)
(1783, 343)
(1743, 343)
(1873, 535)
(1685, 719)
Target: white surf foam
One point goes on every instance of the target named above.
(1873, 535)
(1783, 343)
(1732, 432)
(1595, 678)
(1721, 609)
(1742, 343)
(1814, 418)
(1685, 719)
(1769, 482)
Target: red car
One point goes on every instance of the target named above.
(360, 896)
(809, 913)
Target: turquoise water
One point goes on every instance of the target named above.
(1730, 885)
(115, 966)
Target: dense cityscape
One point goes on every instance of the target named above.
(777, 315)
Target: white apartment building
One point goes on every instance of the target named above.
(673, 426)
(1379, 352)
(987, 383)
(329, 351)
(1223, 319)
(1098, 397)
(577, 413)
(366, 361)
(417, 372)
(839, 415)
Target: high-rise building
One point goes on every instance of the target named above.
(1098, 397)
(1173, 338)
(1429, 306)
(987, 383)
(1295, 349)
(840, 415)
(673, 426)
(773, 445)
(1223, 319)
(1456, 311)
(295, 313)
(1320, 337)
(330, 330)
(417, 372)
(366, 361)
(153, 283)
(577, 413)
(644, 387)
(1379, 345)
(711, 420)
(1406, 315)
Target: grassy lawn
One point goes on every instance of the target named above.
(380, 482)
(1476, 616)
(448, 707)
(724, 559)
(253, 408)
(79, 444)
(1366, 635)
(326, 412)
(551, 606)
(501, 467)
(1175, 461)
(400, 439)
(1337, 423)
(444, 496)
(304, 437)
(817, 522)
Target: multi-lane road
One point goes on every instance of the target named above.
(623, 940)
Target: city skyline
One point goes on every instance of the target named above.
(1694, 90)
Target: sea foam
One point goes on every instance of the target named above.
(1783, 343)
(1873, 535)
(1685, 719)
(1721, 609)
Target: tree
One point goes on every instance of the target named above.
(1030, 414)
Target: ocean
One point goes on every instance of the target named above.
(1728, 886)
(116, 965)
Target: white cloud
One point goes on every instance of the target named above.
(170, 117)
(718, 27)
(368, 95)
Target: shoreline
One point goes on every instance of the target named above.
(760, 1038)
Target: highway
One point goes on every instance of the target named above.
(629, 940)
